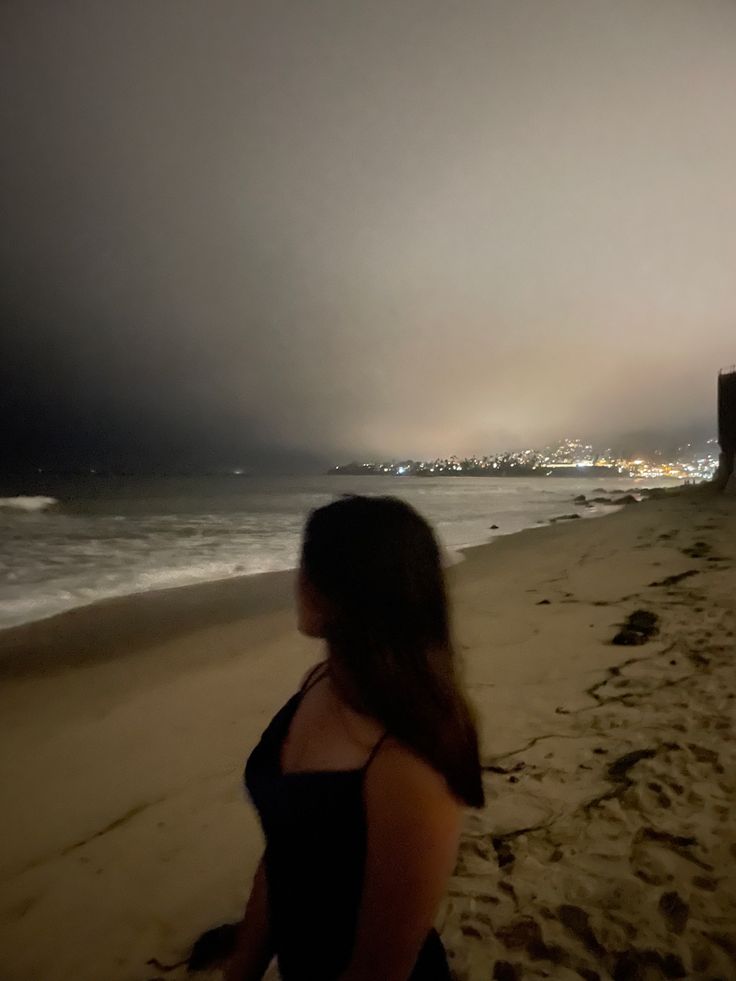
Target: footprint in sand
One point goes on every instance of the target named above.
(675, 911)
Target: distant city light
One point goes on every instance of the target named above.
(567, 456)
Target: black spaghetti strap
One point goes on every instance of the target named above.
(313, 677)
(374, 751)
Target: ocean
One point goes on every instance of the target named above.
(76, 540)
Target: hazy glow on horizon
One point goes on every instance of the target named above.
(364, 229)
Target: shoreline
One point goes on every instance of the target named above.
(127, 832)
(43, 601)
(121, 625)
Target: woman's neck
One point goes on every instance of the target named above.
(343, 685)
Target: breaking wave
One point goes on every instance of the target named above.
(27, 503)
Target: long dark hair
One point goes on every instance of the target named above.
(376, 563)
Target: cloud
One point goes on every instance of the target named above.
(328, 230)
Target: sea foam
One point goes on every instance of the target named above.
(27, 503)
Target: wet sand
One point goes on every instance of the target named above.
(607, 847)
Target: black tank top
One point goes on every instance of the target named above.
(315, 830)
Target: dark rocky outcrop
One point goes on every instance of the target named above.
(639, 627)
(626, 499)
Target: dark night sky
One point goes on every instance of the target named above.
(344, 228)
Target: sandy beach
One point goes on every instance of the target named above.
(607, 848)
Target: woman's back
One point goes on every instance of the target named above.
(308, 790)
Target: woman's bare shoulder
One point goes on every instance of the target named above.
(397, 767)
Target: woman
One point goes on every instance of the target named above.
(360, 779)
